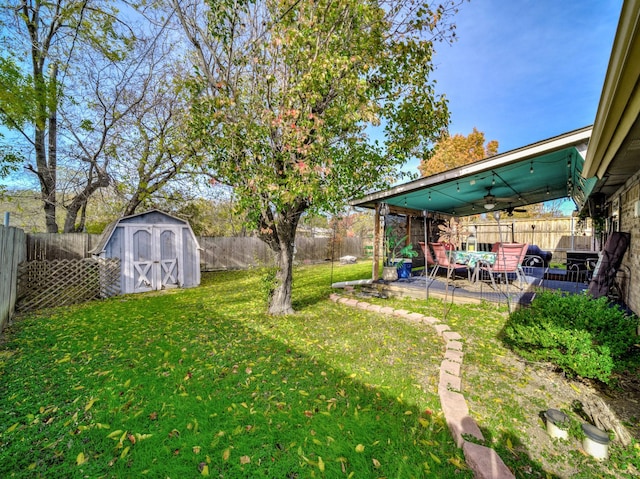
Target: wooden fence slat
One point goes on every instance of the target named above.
(12, 251)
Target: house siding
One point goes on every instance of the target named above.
(629, 195)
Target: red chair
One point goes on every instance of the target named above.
(428, 259)
(509, 258)
(441, 252)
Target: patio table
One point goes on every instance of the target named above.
(472, 259)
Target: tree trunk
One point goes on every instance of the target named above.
(282, 242)
(47, 178)
(132, 205)
(280, 300)
(80, 201)
(46, 155)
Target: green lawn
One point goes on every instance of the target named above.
(190, 383)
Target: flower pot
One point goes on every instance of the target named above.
(557, 423)
(390, 273)
(595, 442)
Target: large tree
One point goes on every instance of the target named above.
(457, 150)
(283, 94)
(42, 42)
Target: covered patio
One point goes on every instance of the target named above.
(496, 186)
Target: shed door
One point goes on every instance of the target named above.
(168, 258)
(156, 256)
(142, 260)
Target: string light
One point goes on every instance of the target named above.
(531, 169)
(458, 187)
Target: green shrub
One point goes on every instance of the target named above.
(581, 335)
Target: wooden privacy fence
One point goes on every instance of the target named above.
(43, 284)
(12, 253)
(557, 235)
(49, 246)
(217, 253)
(248, 252)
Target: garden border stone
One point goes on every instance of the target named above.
(483, 461)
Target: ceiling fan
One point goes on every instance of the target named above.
(489, 200)
(512, 209)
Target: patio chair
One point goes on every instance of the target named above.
(604, 274)
(509, 257)
(428, 260)
(441, 252)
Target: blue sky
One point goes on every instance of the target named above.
(526, 70)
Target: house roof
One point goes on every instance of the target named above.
(543, 171)
(614, 156)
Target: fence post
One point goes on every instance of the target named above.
(12, 252)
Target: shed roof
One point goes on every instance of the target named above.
(543, 171)
(110, 228)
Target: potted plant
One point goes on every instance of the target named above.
(398, 254)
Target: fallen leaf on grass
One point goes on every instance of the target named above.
(114, 434)
(457, 462)
(245, 459)
(125, 451)
(81, 459)
(203, 467)
(12, 428)
(226, 453)
(90, 404)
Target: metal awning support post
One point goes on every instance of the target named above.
(375, 267)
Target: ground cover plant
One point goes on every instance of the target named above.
(507, 395)
(582, 336)
(200, 382)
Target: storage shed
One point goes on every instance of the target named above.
(156, 251)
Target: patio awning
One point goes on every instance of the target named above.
(544, 171)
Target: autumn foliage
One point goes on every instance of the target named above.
(457, 150)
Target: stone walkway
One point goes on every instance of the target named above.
(483, 461)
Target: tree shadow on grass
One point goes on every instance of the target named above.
(514, 452)
(166, 386)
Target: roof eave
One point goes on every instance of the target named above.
(619, 104)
